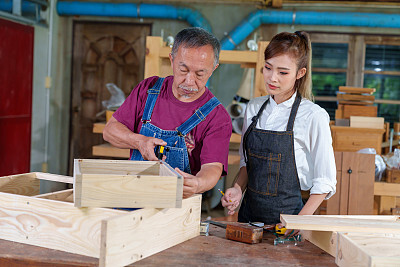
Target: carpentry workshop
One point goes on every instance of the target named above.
(199, 133)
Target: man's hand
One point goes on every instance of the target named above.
(146, 147)
(118, 135)
(190, 183)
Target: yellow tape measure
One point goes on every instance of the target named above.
(280, 231)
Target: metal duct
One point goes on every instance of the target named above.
(193, 17)
(255, 19)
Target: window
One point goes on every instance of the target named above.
(359, 61)
(382, 72)
(329, 69)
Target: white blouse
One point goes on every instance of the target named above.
(314, 155)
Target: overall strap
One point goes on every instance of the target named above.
(293, 112)
(252, 126)
(151, 100)
(199, 116)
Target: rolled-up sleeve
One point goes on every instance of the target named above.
(322, 156)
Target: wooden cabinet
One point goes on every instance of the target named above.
(354, 139)
(355, 174)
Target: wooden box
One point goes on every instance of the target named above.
(116, 237)
(126, 184)
(355, 139)
(393, 176)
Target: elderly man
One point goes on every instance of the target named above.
(180, 113)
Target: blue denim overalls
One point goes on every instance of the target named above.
(273, 184)
(176, 151)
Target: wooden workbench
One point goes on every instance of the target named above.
(200, 251)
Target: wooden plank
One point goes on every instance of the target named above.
(142, 233)
(259, 88)
(325, 240)
(123, 167)
(386, 189)
(107, 150)
(152, 58)
(237, 57)
(318, 223)
(126, 184)
(356, 249)
(367, 122)
(128, 191)
(392, 218)
(352, 97)
(355, 90)
(248, 65)
(63, 195)
(353, 110)
(348, 102)
(98, 127)
(21, 184)
(52, 224)
(225, 56)
(54, 177)
(167, 170)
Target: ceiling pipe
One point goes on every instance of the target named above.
(26, 6)
(155, 11)
(255, 19)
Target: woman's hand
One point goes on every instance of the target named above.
(289, 232)
(232, 198)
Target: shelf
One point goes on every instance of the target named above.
(386, 189)
(98, 127)
(107, 150)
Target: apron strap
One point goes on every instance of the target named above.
(199, 116)
(293, 112)
(251, 127)
(153, 93)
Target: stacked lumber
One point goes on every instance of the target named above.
(354, 101)
(354, 240)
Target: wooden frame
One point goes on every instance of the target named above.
(158, 62)
(362, 240)
(117, 237)
(355, 249)
(126, 184)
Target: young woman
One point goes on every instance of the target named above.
(287, 145)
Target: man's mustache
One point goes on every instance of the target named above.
(188, 88)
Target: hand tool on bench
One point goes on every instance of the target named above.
(279, 233)
(287, 240)
(241, 232)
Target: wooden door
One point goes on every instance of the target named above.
(355, 184)
(16, 65)
(361, 172)
(102, 53)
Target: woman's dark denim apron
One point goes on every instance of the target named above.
(273, 185)
(176, 151)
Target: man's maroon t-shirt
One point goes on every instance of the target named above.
(208, 142)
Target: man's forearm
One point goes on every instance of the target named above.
(120, 136)
(208, 176)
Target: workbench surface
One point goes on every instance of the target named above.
(199, 251)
